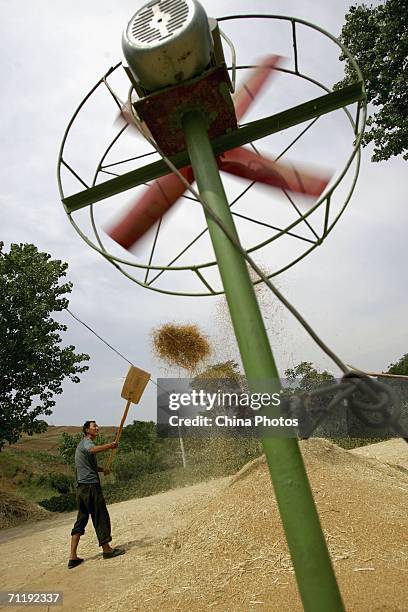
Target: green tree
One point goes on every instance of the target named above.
(226, 378)
(227, 370)
(400, 367)
(33, 364)
(305, 377)
(378, 39)
(140, 436)
(68, 445)
(132, 465)
(400, 386)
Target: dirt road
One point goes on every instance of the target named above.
(34, 557)
(220, 546)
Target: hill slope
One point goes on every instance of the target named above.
(34, 456)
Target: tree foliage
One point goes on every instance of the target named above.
(67, 447)
(400, 367)
(225, 377)
(33, 363)
(378, 39)
(400, 386)
(224, 370)
(140, 436)
(305, 377)
(69, 443)
(315, 420)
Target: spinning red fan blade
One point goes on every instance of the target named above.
(155, 201)
(250, 165)
(165, 191)
(251, 88)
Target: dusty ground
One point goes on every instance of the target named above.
(34, 557)
(219, 545)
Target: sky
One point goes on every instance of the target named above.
(351, 289)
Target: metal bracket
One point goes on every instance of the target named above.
(209, 93)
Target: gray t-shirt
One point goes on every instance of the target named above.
(85, 463)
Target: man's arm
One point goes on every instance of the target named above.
(102, 447)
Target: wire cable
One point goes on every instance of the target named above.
(115, 350)
(98, 336)
(233, 58)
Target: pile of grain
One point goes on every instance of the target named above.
(180, 345)
(234, 555)
(15, 510)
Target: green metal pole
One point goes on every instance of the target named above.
(314, 573)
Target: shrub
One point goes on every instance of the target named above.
(60, 503)
(55, 480)
(60, 482)
(131, 465)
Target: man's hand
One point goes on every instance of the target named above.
(113, 445)
(106, 472)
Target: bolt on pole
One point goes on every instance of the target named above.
(311, 560)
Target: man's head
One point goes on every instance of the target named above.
(90, 428)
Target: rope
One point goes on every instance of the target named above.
(98, 336)
(115, 350)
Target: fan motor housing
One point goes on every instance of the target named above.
(167, 42)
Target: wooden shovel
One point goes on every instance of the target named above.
(133, 387)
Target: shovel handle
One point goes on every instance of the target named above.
(109, 461)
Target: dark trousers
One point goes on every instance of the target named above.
(91, 501)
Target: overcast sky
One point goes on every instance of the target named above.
(352, 289)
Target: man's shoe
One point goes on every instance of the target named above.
(74, 562)
(114, 553)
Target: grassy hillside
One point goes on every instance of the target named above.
(49, 440)
(24, 465)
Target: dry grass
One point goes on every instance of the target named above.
(16, 510)
(233, 556)
(180, 345)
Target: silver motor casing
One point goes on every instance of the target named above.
(167, 42)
